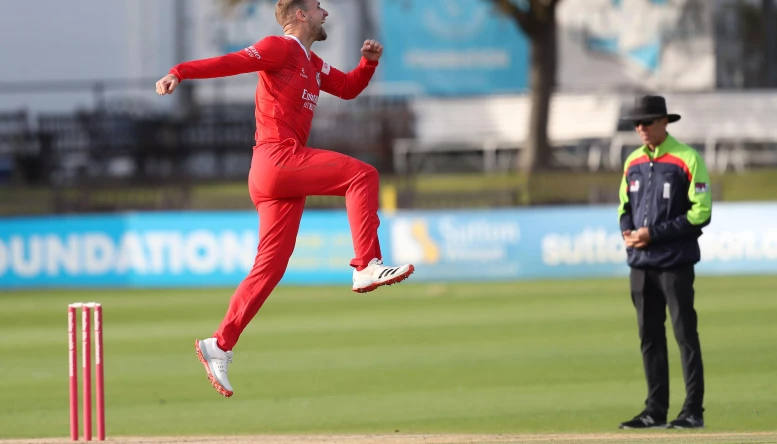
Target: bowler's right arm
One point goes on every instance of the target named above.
(266, 55)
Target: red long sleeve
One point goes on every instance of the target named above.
(266, 55)
(347, 86)
(289, 81)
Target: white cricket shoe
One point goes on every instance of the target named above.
(215, 361)
(376, 274)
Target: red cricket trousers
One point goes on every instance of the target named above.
(281, 176)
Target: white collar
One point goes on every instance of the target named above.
(300, 44)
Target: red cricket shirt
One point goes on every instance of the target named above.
(290, 81)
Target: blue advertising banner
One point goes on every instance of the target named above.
(218, 248)
(452, 47)
(742, 239)
(567, 242)
(509, 244)
(164, 250)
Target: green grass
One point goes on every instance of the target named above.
(532, 357)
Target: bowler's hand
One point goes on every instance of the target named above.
(167, 84)
(372, 50)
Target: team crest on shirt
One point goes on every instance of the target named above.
(634, 186)
(318, 79)
(702, 187)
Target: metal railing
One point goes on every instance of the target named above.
(123, 157)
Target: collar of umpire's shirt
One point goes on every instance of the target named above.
(300, 44)
(662, 149)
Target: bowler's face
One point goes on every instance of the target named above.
(317, 16)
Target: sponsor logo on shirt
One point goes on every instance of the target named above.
(634, 185)
(303, 73)
(252, 52)
(310, 100)
(306, 95)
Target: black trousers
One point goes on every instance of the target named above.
(651, 292)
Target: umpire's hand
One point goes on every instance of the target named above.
(637, 239)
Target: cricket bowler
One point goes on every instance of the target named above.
(284, 171)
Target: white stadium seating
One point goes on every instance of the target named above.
(718, 124)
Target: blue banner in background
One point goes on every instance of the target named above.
(63, 251)
(509, 244)
(164, 250)
(741, 239)
(218, 248)
(567, 242)
(452, 47)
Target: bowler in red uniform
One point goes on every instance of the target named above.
(284, 170)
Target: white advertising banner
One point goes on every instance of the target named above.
(622, 44)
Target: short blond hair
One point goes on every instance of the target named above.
(285, 9)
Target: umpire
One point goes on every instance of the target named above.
(664, 204)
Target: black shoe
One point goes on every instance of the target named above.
(687, 422)
(644, 421)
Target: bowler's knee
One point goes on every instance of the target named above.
(370, 172)
(367, 173)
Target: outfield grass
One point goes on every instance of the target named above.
(534, 357)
